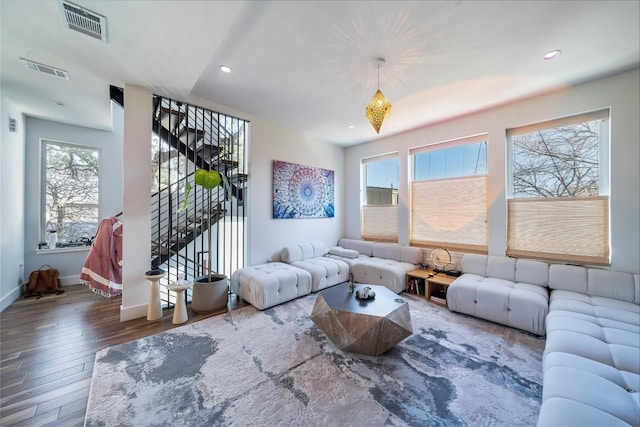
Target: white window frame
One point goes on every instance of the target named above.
(43, 181)
(591, 215)
(381, 214)
(447, 206)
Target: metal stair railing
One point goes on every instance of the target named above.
(191, 137)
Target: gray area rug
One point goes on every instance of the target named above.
(275, 367)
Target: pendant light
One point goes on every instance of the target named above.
(379, 108)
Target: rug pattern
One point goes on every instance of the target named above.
(276, 367)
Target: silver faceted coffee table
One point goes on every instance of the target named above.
(362, 326)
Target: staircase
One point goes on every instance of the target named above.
(191, 138)
(185, 138)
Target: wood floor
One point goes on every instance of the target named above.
(47, 350)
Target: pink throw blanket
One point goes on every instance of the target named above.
(102, 270)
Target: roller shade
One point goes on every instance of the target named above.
(450, 212)
(560, 229)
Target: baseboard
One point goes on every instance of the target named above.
(70, 280)
(10, 297)
(134, 312)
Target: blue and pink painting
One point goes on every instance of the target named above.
(302, 191)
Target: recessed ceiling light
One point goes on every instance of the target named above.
(350, 126)
(225, 68)
(551, 55)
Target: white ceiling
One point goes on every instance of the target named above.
(308, 65)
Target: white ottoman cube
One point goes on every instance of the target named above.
(266, 285)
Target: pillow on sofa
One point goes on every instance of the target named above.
(345, 253)
(362, 246)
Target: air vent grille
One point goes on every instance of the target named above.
(84, 21)
(52, 71)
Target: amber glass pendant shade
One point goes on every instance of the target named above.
(378, 109)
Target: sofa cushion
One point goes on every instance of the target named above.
(568, 278)
(569, 336)
(302, 251)
(475, 264)
(598, 307)
(626, 380)
(501, 267)
(396, 252)
(589, 325)
(387, 251)
(591, 390)
(324, 271)
(611, 284)
(562, 411)
(362, 246)
(411, 255)
(533, 272)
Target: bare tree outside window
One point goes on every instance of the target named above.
(559, 204)
(72, 188)
(557, 162)
(167, 164)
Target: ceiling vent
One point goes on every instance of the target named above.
(80, 19)
(52, 71)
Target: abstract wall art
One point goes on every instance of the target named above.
(302, 191)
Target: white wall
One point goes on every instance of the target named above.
(11, 204)
(136, 165)
(619, 92)
(267, 235)
(269, 142)
(68, 261)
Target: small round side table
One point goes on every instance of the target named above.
(154, 309)
(180, 310)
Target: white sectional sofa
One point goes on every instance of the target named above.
(591, 362)
(273, 283)
(381, 263)
(504, 290)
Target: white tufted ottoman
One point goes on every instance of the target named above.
(266, 285)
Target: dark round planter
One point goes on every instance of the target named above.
(209, 296)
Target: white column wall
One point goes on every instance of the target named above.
(136, 218)
(12, 196)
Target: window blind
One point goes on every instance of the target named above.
(560, 229)
(580, 118)
(380, 222)
(450, 213)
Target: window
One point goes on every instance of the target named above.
(449, 195)
(380, 204)
(71, 188)
(558, 206)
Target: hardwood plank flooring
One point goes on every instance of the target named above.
(48, 347)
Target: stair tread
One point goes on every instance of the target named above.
(167, 110)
